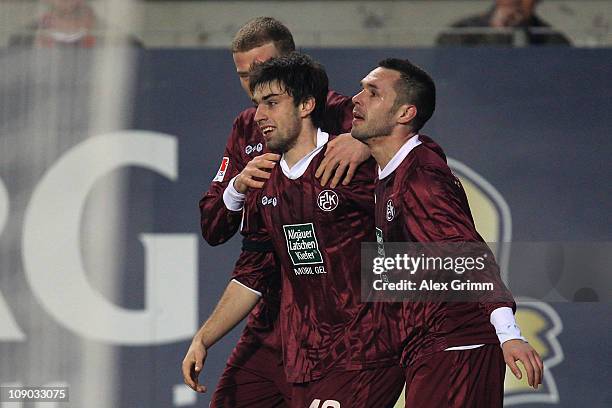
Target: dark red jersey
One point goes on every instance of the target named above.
(219, 224)
(317, 234)
(422, 201)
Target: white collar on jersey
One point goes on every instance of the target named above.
(399, 157)
(300, 167)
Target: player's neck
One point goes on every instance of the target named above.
(383, 148)
(306, 143)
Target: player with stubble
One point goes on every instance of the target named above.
(337, 350)
(452, 354)
(253, 376)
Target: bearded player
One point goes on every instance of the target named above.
(253, 376)
(451, 350)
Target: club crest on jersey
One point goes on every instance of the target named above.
(328, 200)
(222, 169)
(253, 148)
(265, 200)
(390, 211)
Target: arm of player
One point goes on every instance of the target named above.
(254, 272)
(235, 304)
(516, 348)
(217, 222)
(343, 155)
(440, 213)
(253, 176)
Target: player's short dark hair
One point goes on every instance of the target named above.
(299, 75)
(260, 31)
(415, 87)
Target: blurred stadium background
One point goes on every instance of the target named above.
(346, 23)
(105, 152)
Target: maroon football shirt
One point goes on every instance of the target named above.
(422, 201)
(317, 234)
(218, 224)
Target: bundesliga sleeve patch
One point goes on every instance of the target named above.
(222, 169)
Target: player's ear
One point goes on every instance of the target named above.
(406, 113)
(307, 106)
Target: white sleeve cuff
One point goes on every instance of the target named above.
(245, 286)
(505, 325)
(234, 200)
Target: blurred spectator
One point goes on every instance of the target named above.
(508, 22)
(66, 23)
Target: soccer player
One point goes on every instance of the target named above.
(337, 350)
(452, 354)
(253, 376)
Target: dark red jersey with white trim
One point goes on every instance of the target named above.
(245, 141)
(422, 201)
(218, 224)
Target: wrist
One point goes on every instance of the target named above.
(233, 199)
(200, 340)
(238, 186)
(522, 340)
(505, 325)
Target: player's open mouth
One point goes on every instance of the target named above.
(265, 130)
(357, 116)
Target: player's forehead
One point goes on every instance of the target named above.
(269, 89)
(244, 59)
(382, 78)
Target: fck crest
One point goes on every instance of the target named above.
(327, 200)
(390, 211)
